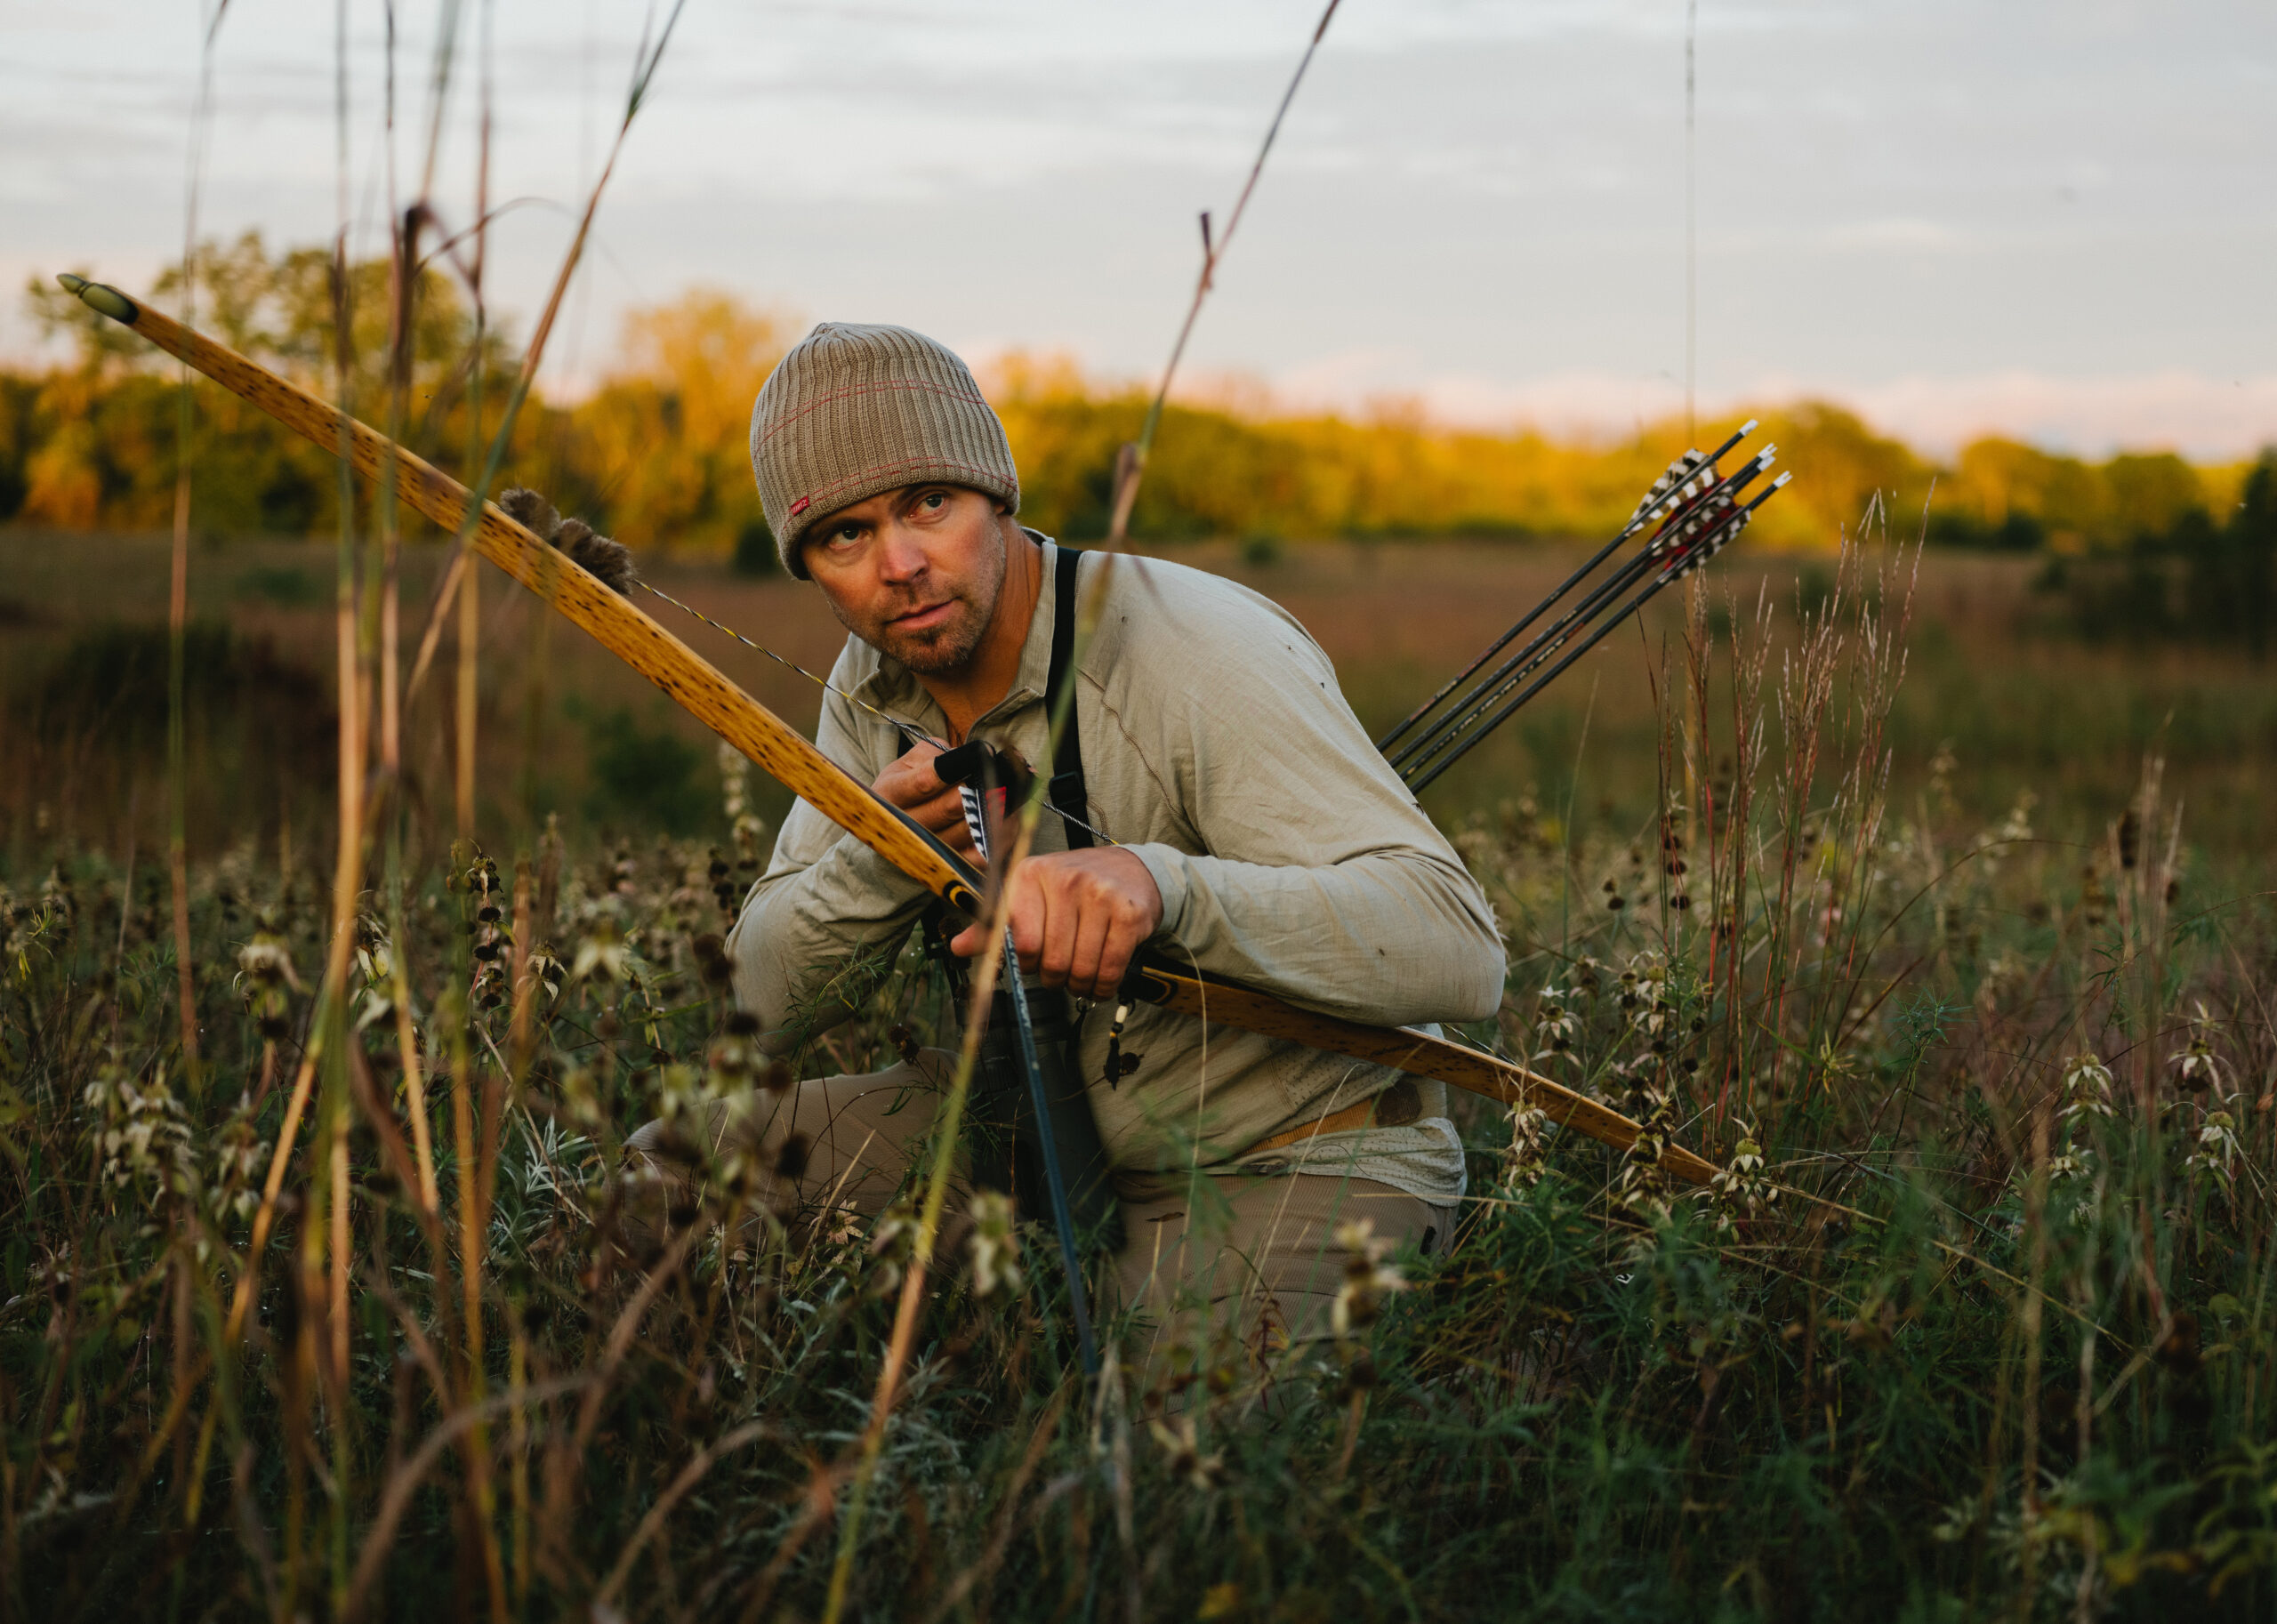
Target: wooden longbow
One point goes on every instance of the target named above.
(788, 756)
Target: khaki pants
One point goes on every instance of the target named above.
(1205, 1257)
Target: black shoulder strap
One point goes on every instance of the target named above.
(1067, 791)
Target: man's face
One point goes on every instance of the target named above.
(914, 572)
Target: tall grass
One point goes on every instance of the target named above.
(1977, 1324)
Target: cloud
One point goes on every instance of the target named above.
(2211, 419)
(2036, 217)
(1905, 235)
(2207, 418)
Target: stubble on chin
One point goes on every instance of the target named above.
(940, 652)
(943, 650)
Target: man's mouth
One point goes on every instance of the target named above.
(925, 619)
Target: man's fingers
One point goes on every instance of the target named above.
(949, 827)
(1113, 965)
(1032, 917)
(942, 815)
(1129, 933)
(909, 780)
(1077, 920)
(1025, 917)
(942, 810)
(1093, 937)
(1065, 920)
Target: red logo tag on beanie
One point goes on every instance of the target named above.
(799, 507)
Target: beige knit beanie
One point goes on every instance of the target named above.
(853, 410)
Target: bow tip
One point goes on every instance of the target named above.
(100, 297)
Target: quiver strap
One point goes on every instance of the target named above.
(1066, 789)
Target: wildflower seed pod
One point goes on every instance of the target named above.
(995, 1245)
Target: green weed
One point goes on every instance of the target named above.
(1976, 1323)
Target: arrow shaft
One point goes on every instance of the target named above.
(1704, 547)
(1054, 1180)
(1647, 512)
(1452, 723)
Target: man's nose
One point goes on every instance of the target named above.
(901, 554)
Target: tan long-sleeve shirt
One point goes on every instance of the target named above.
(1218, 748)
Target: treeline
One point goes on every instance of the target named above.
(2202, 580)
(656, 454)
(657, 451)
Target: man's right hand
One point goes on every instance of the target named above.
(910, 782)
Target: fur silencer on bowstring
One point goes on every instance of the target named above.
(610, 560)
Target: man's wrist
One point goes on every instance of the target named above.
(1166, 867)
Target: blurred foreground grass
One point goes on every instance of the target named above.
(1978, 1324)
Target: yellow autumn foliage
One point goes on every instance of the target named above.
(656, 454)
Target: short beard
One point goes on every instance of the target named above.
(945, 651)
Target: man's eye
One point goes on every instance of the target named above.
(936, 499)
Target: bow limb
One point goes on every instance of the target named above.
(1401, 1048)
(619, 626)
(790, 759)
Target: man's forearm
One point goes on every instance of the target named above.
(1390, 939)
(802, 922)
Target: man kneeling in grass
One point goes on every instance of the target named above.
(1246, 826)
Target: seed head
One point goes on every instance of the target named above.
(610, 560)
(995, 1245)
(1184, 1448)
(1367, 1277)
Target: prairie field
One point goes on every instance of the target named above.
(1996, 675)
(1934, 914)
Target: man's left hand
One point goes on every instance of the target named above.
(1077, 919)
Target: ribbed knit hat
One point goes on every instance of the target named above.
(853, 410)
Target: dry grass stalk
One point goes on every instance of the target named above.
(1131, 463)
(404, 1481)
(688, 1477)
(467, 513)
(950, 1120)
(178, 578)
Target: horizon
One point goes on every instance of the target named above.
(2044, 225)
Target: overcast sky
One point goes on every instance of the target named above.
(2056, 218)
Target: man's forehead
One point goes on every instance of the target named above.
(869, 507)
(886, 502)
